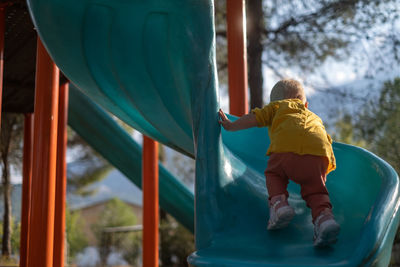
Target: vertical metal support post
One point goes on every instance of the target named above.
(150, 202)
(237, 57)
(26, 189)
(41, 228)
(2, 32)
(61, 178)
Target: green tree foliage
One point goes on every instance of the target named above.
(75, 235)
(301, 35)
(379, 124)
(306, 33)
(15, 241)
(346, 133)
(117, 213)
(16, 236)
(176, 243)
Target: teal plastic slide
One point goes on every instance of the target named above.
(152, 64)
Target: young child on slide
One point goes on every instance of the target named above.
(301, 151)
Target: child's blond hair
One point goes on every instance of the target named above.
(286, 89)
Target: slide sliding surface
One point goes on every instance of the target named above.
(152, 64)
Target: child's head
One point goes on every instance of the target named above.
(286, 89)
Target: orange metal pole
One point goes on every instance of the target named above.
(2, 31)
(237, 57)
(26, 189)
(61, 183)
(150, 202)
(41, 228)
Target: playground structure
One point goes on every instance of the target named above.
(152, 65)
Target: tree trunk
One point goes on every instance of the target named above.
(6, 242)
(5, 143)
(255, 26)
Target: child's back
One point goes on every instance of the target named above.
(294, 128)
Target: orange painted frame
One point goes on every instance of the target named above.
(237, 57)
(150, 202)
(61, 177)
(26, 189)
(41, 228)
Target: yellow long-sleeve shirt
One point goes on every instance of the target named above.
(294, 128)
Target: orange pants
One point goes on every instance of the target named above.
(308, 171)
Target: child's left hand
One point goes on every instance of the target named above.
(224, 121)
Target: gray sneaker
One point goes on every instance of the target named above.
(326, 229)
(280, 213)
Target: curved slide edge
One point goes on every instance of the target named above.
(103, 134)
